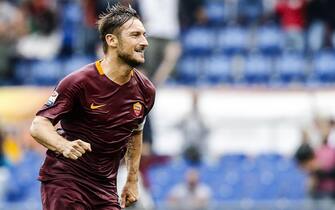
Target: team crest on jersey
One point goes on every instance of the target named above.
(52, 98)
(137, 107)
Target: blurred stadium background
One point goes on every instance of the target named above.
(254, 79)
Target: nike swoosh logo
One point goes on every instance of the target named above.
(96, 106)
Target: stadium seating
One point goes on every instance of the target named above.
(237, 181)
(250, 11)
(225, 50)
(236, 177)
(257, 69)
(215, 11)
(74, 63)
(291, 67)
(324, 66)
(189, 69)
(233, 40)
(24, 175)
(198, 41)
(22, 74)
(46, 72)
(208, 57)
(269, 40)
(217, 69)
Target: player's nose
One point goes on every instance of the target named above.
(144, 42)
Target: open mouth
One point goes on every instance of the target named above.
(139, 50)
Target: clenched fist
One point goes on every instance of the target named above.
(74, 149)
(129, 194)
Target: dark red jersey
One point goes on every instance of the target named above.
(91, 107)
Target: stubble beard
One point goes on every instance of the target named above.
(127, 58)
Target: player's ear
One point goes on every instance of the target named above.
(111, 40)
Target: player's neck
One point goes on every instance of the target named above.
(119, 73)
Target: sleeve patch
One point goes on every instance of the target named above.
(52, 98)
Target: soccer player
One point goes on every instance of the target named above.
(101, 109)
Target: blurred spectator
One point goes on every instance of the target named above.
(44, 38)
(320, 165)
(162, 25)
(191, 194)
(328, 15)
(194, 132)
(292, 19)
(315, 133)
(191, 12)
(306, 160)
(325, 157)
(316, 25)
(88, 42)
(161, 21)
(321, 20)
(250, 11)
(305, 150)
(11, 28)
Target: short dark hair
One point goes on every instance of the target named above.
(113, 19)
(304, 153)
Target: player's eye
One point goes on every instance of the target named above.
(135, 34)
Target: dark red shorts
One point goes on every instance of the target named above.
(66, 195)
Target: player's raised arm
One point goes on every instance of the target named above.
(133, 156)
(45, 133)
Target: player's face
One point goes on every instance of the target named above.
(132, 42)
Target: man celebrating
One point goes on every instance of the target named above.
(101, 109)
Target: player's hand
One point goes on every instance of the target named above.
(129, 194)
(75, 149)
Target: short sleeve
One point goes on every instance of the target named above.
(61, 101)
(150, 99)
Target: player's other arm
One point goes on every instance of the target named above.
(45, 133)
(133, 156)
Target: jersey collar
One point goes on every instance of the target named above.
(101, 72)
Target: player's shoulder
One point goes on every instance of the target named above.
(144, 82)
(146, 88)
